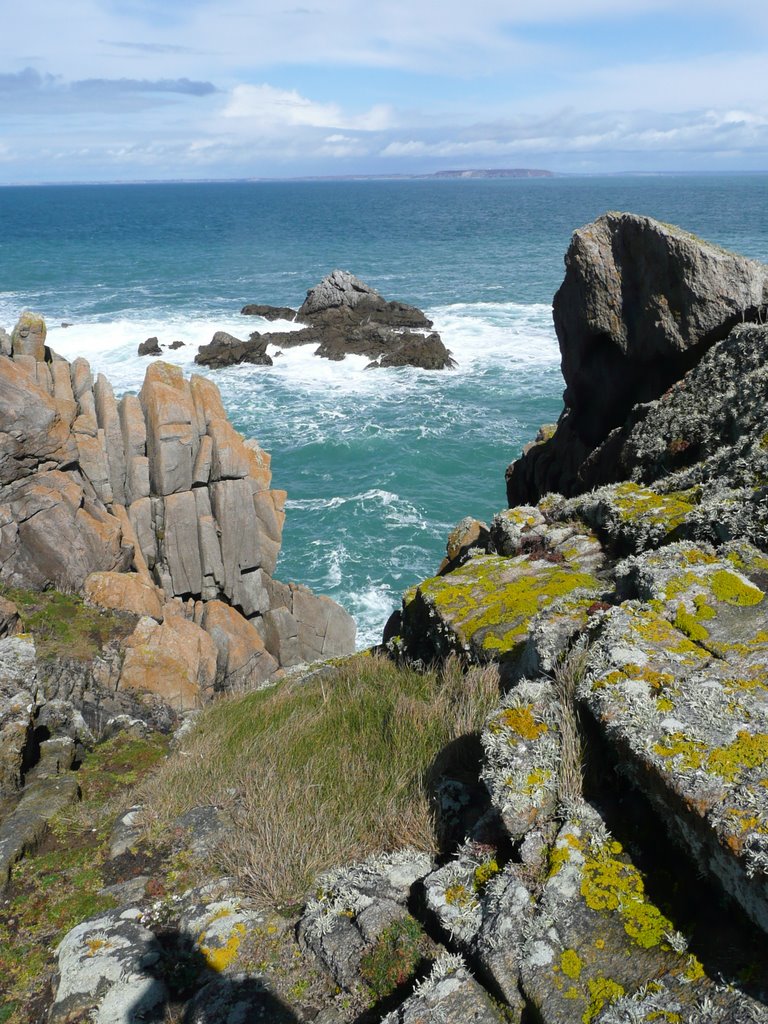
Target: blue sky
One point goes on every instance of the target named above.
(143, 89)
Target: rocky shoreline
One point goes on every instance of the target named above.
(600, 848)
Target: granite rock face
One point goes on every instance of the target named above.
(155, 506)
(640, 305)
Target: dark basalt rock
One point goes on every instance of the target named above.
(427, 352)
(269, 312)
(226, 350)
(176, 344)
(150, 347)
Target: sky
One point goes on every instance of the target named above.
(106, 90)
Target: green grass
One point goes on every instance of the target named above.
(395, 957)
(63, 626)
(324, 771)
(58, 887)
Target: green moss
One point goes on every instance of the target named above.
(394, 958)
(63, 626)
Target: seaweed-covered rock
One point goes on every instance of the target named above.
(226, 350)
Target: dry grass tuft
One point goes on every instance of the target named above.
(568, 672)
(322, 771)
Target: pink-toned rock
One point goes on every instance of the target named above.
(28, 336)
(243, 662)
(124, 592)
(176, 660)
(172, 431)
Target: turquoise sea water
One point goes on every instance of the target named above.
(380, 464)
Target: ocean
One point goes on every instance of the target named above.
(378, 464)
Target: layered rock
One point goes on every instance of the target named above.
(152, 505)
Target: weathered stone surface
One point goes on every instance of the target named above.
(341, 290)
(123, 591)
(50, 532)
(175, 659)
(596, 936)
(107, 971)
(521, 742)
(9, 618)
(6, 346)
(109, 421)
(269, 312)
(450, 993)
(172, 437)
(640, 305)
(243, 662)
(483, 609)
(281, 636)
(22, 830)
(682, 704)
(18, 706)
(32, 431)
(180, 544)
(326, 630)
(232, 1000)
(408, 349)
(140, 515)
(28, 336)
(226, 350)
(150, 347)
(637, 296)
(353, 905)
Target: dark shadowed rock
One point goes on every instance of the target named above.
(226, 350)
(269, 312)
(176, 344)
(425, 351)
(150, 347)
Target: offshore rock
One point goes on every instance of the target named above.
(343, 294)
(150, 347)
(269, 312)
(226, 350)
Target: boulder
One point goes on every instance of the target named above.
(425, 351)
(172, 431)
(449, 993)
(107, 972)
(640, 305)
(28, 337)
(123, 591)
(18, 706)
(226, 350)
(174, 659)
(150, 347)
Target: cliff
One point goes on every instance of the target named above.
(546, 797)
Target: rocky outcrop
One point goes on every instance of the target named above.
(269, 312)
(151, 505)
(344, 316)
(150, 347)
(226, 350)
(640, 305)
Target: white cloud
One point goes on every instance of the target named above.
(268, 106)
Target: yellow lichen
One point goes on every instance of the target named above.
(748, 750)
(458, 895)
(219, 958)
(484, 873)
(602, 992)
(732, 589)
(571, 964)
(520, 721)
